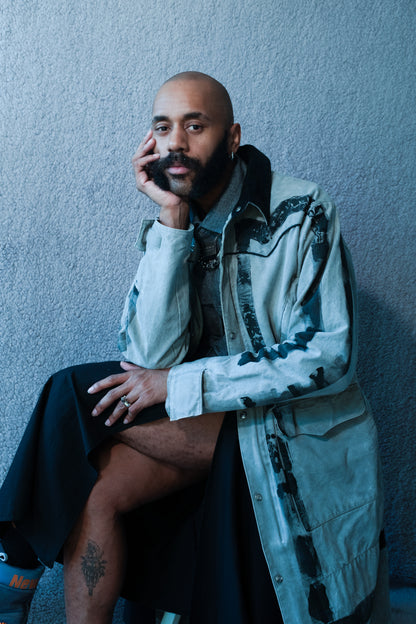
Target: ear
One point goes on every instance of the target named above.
(234, 137)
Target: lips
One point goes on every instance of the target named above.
(177, 169)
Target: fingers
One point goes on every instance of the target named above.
(127, 407)
(172, 204)
(108, 382)
(148, 139)
(145, 146)
(127, 404)
(137, 387)
(124, 385)
(145, 149)
(143, 157)
(128, 366)
(130, 413)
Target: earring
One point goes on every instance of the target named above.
(232, 155)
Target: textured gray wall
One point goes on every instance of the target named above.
(325, 88)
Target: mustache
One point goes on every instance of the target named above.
(177, 158)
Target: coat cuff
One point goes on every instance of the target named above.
(185, 391)
(154, 234)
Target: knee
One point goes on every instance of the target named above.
(77, 376)
(111, 493)
(82, 376)
(62, 381)
(105, 499)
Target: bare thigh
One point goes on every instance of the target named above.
(128, 479)
(188, 443)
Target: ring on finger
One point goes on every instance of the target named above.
(124, 400)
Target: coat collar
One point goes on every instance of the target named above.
(257, 183)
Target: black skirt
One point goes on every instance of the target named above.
(196, 551)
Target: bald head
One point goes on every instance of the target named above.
(211, 88)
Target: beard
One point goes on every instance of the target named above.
(206, 176)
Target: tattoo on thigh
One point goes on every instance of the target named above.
(93, 565)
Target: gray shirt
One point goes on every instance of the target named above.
(207, 240)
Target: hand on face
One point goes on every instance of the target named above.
(174, 210)
(138, 387)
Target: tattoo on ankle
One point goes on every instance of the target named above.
(93, 565)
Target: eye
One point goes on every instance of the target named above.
(161, 129)
(194, 127)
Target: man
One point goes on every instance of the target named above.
(241, 321)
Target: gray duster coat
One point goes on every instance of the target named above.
(307, 437)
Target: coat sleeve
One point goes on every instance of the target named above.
(314, 355)
(155, 322)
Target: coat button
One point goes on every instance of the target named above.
(232, 335)
(258, 496)
(278, 579)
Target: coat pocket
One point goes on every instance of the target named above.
(329, 457)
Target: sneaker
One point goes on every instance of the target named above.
(17, 588)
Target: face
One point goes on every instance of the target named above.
(192, 137)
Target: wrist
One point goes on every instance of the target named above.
(175, 216)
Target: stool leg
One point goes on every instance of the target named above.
(170, 618)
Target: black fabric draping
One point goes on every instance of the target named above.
(196, 551)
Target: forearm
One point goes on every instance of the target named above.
(268, 377)
(155, 323)
(311, 346)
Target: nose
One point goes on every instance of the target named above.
(178, 140)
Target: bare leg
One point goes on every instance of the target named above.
(187, 443)
(94, 555)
